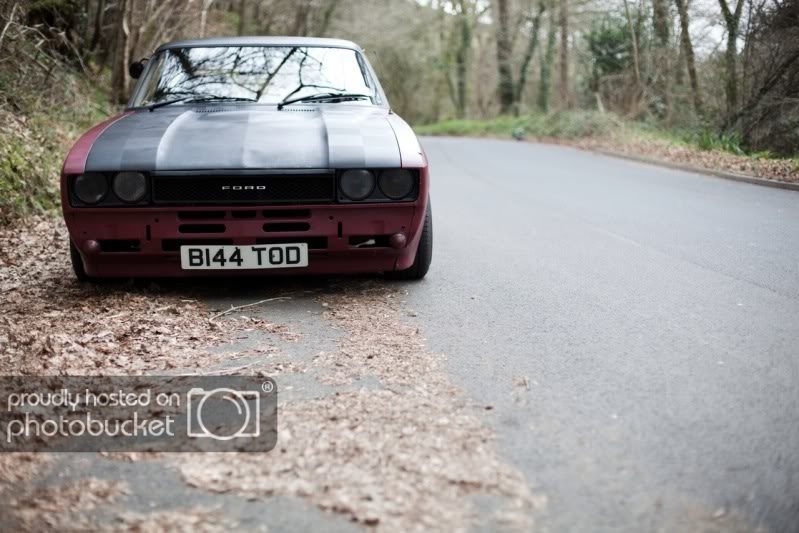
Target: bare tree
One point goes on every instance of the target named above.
(510, 89)
(732, 21)
(99, 15)
(687, 52)
(545, 80)
(140, 26)
(119, 72)
(504, 55)
(532, 43)
(563, 82)
(205, 5)
(661, 22)
(635, 48)
(770, 111)
(242, 16)
(462, 58)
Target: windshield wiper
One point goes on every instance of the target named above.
(200, 99)
(321, 97)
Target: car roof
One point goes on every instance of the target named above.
(260, 41)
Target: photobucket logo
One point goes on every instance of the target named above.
(247, 423)
(31, 427)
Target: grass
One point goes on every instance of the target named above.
(573, 125)
(563, 125)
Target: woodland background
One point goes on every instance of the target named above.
(684, 76)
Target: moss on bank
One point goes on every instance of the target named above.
(35, 135)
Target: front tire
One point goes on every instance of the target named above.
(424, 254)
(77, 263)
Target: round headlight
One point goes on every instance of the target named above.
(91, 188)
(357, 184)
(130, 186)
(396, 183)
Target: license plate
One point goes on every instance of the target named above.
(244, 257)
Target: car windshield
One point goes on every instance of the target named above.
(263, 74)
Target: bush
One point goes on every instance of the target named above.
(29, 161)
(45, 104)
(725, 142)
(573, 124)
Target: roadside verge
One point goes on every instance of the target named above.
(765, 182)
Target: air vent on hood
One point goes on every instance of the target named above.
(296, 108)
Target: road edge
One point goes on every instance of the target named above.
(724, 174)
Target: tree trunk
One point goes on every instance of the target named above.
(462, 63)
(636, 57)
(301, 18)
(205, 5)
(242, 16)
(563, 85)
(504, 52)
(545, 81)
(98, 26)
(327, 17)
(532, 43)
(119, 74)
(679, 72)
(731, 63)
(688, 53)
(662, 27)
(732, 21)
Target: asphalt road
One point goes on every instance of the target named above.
(636, 330)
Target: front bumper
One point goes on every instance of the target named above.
(145, 242)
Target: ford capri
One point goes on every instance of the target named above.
(250, 156)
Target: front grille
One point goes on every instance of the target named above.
(226, 190)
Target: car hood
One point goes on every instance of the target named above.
(222, 136)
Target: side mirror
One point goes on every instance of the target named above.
(136, 68)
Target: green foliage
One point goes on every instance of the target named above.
(500, 126)
(32, 148)
(609, 48)
(725, 142)
(576, 124)
(562, 124)
(573, 125)
(27, 162)
(35, 135)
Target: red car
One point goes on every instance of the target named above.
(250, 156)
